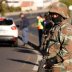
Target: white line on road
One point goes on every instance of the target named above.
(39, 57)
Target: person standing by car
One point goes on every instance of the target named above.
(24, 27)
(40, 27)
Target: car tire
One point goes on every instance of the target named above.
(15, 43)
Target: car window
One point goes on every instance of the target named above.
(6, 22)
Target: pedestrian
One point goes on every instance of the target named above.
(40, 28)
(24, 26)
(62, 35)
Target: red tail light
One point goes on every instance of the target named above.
(1, 19)
(13, 28)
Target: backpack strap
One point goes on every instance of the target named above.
(59, 39)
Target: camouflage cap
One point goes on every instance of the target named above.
(59, 8)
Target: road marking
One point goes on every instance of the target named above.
(39, 57)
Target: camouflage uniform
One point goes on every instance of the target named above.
(63, 36)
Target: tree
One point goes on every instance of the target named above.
(3, 7)
(67, 2)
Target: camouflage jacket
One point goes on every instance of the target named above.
(62, 42)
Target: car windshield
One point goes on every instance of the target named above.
(6, 22)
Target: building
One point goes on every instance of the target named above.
(13, 3)
(29, 5)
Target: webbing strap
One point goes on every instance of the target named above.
(61, 42)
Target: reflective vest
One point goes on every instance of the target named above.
(40, 23)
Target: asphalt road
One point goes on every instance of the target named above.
(17, 59)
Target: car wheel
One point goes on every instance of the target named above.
(15, 43)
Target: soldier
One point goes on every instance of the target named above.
(62, 36)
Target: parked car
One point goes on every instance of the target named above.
(8, 31)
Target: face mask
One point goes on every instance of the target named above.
(56, 19)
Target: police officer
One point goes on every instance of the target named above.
(62, 35)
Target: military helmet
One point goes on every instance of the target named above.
(60, 8)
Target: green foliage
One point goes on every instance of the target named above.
(4, 8)
(14, 9)
(67, 2)
(18, 9)
(11, 9)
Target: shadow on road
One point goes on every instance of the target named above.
(4, 45)
(25, 50)
(22, 61)
(33, 45)
(30, 43)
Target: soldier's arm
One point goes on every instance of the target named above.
(67, 35)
